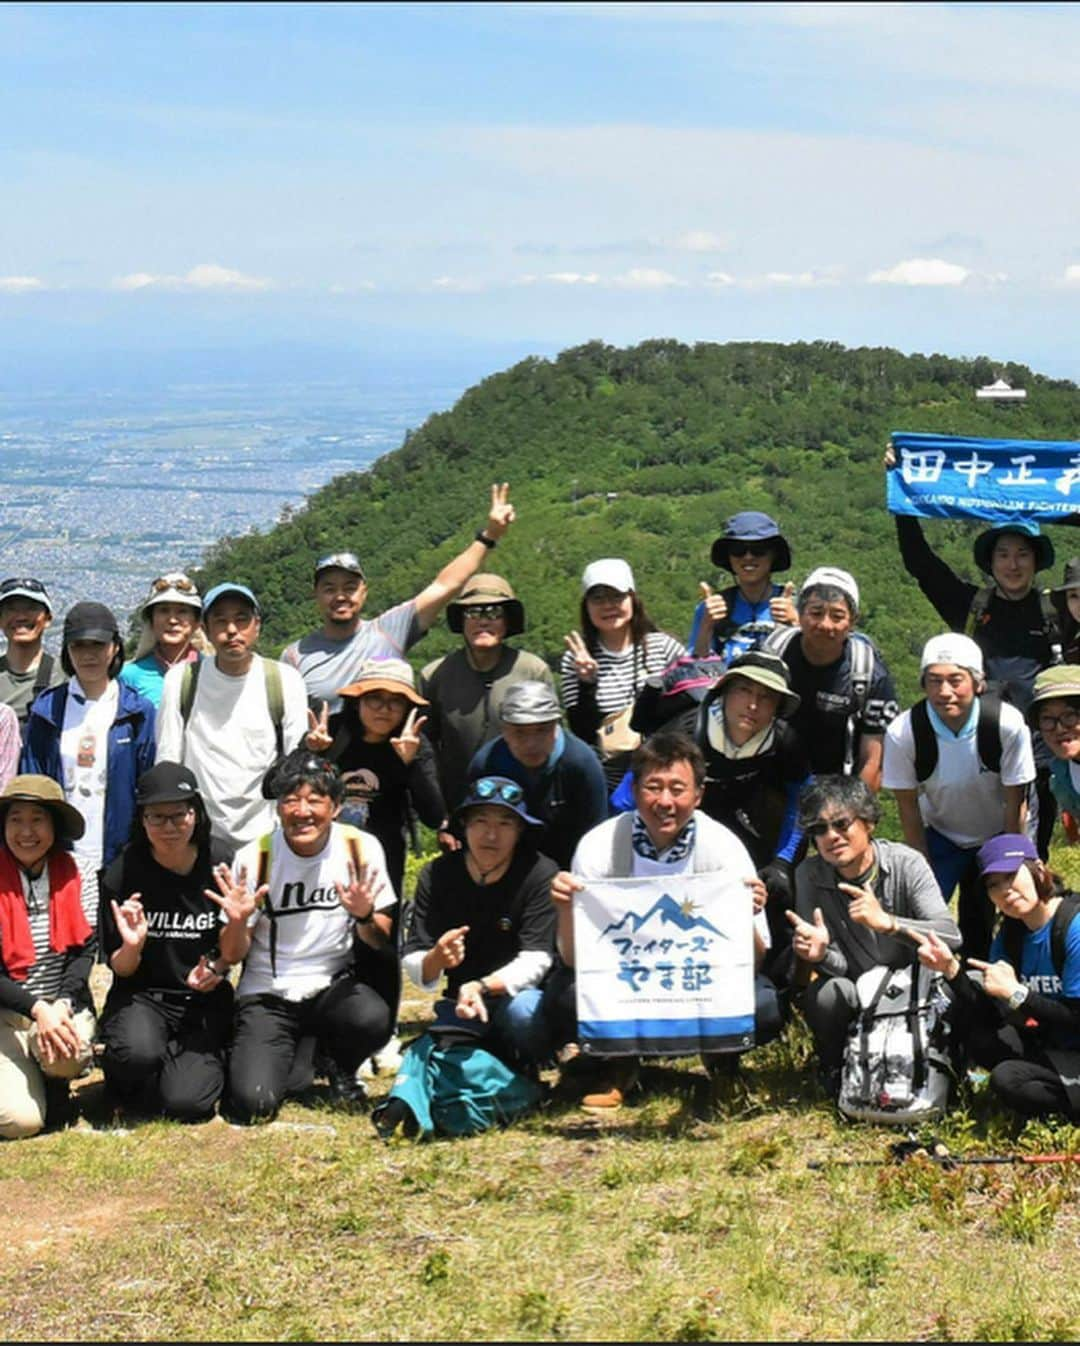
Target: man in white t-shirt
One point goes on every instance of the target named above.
(228, 718)
(665, 834)
(308, 908)
(960, 764)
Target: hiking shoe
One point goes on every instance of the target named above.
(615, 1088)
(346, 1090)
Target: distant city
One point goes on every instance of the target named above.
(103, 492)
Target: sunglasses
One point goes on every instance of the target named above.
(35, 586)
(749, 548)
(484, 612)
(1068, 719)
(825, 825)
(507, 791)
(179, 582)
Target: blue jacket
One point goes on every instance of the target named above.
(131, 752)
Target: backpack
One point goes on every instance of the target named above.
(979, 614)
(1013, 931)
(275, 696)
(861, 651)
(987, 737)
(459, 1088)
(897, 1068)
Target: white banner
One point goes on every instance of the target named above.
(664, 966)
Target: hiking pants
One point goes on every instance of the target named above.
(1021, 1074)
(348, 1019)
(165, 1050)
(829, 1005)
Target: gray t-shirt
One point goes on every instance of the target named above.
(17, 689)
(326, 664)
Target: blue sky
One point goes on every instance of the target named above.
(503, 178)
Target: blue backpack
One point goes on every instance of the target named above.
(459, 1089)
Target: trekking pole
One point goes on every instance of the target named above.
(938, 1154)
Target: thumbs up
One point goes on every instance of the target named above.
(782, 607)
(715, 607)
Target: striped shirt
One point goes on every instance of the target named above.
(43, 979)
(621, 676)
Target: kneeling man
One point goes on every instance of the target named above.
(309, 909)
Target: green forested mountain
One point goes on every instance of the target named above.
(642, 453)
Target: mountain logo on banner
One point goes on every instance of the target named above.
(670, 912)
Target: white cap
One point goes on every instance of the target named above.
(612, 572)
(834, 578)
(951, 648)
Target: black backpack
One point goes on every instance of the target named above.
(1013, 931)
(987, 737)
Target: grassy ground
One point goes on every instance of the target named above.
(681, 1218)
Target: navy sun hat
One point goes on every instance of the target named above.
(500, 791)
(983, 546)
(751, 526)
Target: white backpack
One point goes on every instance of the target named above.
(897, 1067)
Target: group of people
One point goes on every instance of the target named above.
(201, 808)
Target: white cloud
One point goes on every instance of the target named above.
(1072, 274)
(719, 280)
(20, 284)
(355, 287)
(921, 271)
(645, 278)
(573, 278)
(702, 240)
(205, 276)
(456, 285)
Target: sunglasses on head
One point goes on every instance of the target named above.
(180, 582)
(825, 825)
(749, 548)
(507, 791)
(35, 585)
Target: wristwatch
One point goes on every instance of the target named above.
(488, 542)
(1018, 997)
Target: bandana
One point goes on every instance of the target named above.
(679, 849)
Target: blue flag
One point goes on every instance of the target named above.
(997, 480)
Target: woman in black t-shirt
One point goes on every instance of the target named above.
(166, 1020)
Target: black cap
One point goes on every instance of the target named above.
(90, 621)
(166, 783)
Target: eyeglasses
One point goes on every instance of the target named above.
(825, 825)
(484, 612)
(178, 582)
(737, 548)
(1068, 719)
(385, 700)
(175, 819)
(507, 791)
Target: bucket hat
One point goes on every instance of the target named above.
(385, 675)
(751, 526)
(983, 546)
(1070, 580)
(767, 670)
(481, 591)
(45, 791)
(530, 702)
(174, 587)
(1060, 683)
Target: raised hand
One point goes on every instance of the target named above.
(715, 604)
(865, 909)
(809, 941)
(783, 608)
(999, 979)
(131, 923)
(359, 895)
(889, 460)
(319, 737)
(935, 954)
(407, 743)
(501, 514)
(233, 896)
(585, 665)
(450, 947)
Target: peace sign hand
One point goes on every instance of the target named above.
(715, 604)
(234, 897)
(501, 514)
(585, 665)
(359, 894)
(131, 923)
(319, 737)
(407, 743)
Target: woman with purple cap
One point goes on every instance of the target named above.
(607, 662)
(1023, 1022)
(738, 618)
(94, 735)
